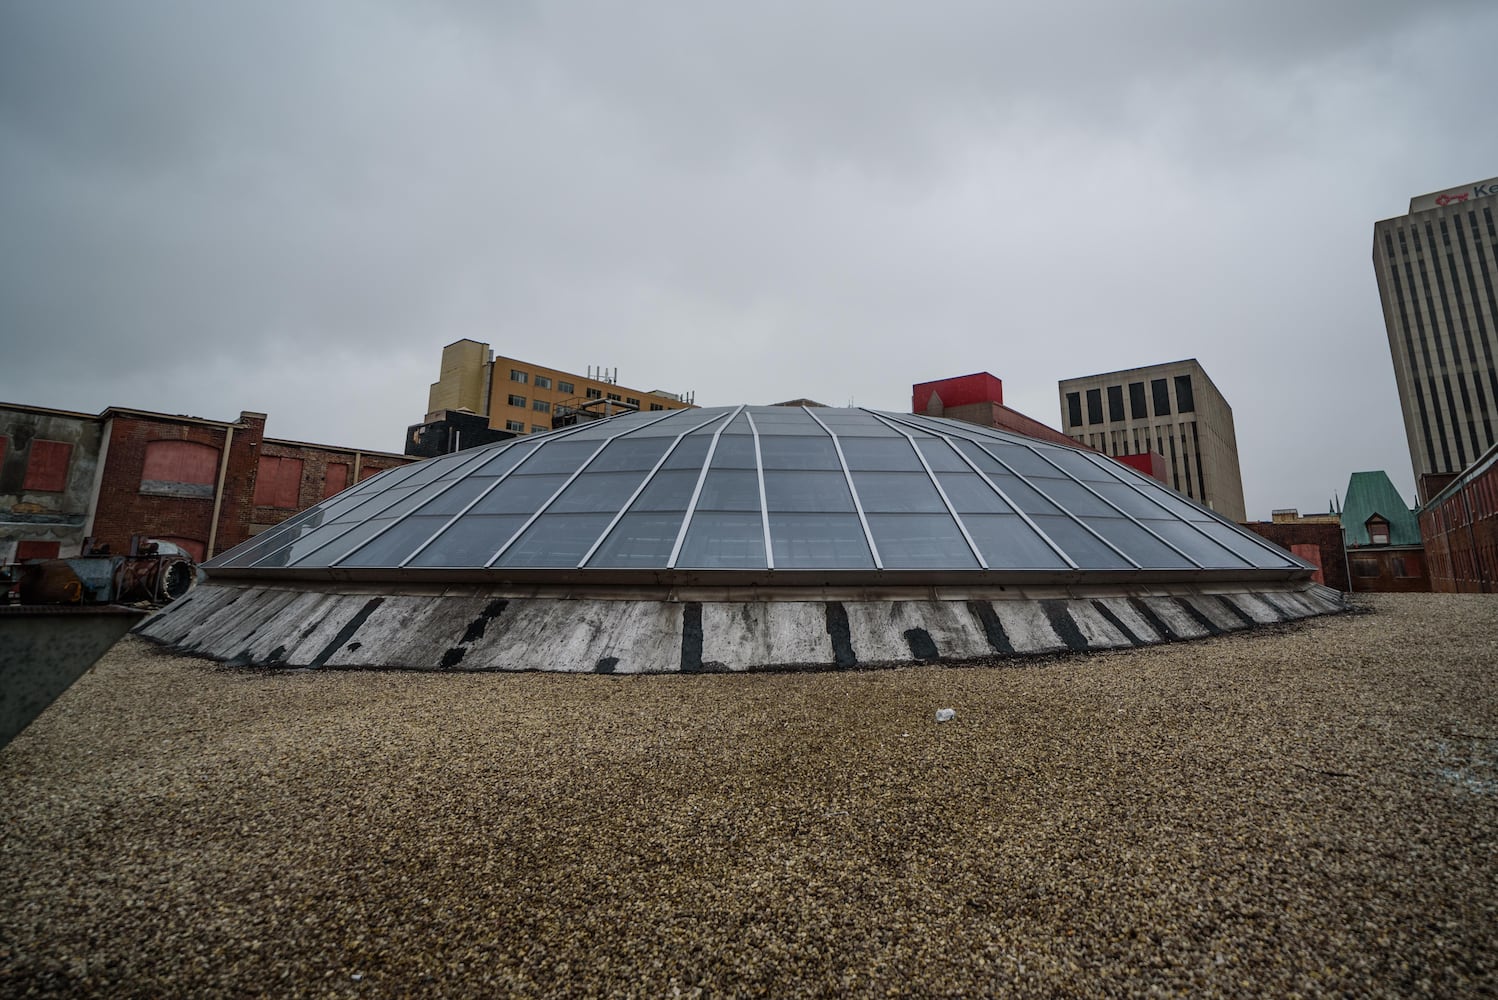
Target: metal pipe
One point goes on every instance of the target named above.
(218, 493)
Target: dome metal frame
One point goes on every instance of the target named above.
(937, 504)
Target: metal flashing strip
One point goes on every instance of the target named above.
(707, 461)
(764, 507)
(857, 504)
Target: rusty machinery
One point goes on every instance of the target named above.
(155, 572)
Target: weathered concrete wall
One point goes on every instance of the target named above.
(461, 630)
(46, 516)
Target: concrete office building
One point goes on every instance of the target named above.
(1173, 409)
(1437, 269)
(522, 397)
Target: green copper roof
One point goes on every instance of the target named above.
(1369, 494)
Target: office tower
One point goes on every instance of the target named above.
(1437, 269)
(1172, 409)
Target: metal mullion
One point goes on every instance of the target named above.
(1215, 516)
(868, 535)
(492, 487)
(559, 490)
(1062, 509)
(354, 507)
(764, 507)
(1004, 496)
(473, 460)
(931, 474)
(707, 461)
(644, 483)
(1116, 507)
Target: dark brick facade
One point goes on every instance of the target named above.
(124, 509)
(1318, 542)
(158, 475)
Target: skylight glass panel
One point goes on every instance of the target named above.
(920, 541)
(555, 540)
(819, 541)
(721, 540)
(807, 491)
(893, 455)
(470, 541)
(640, 540)
(1007, 542)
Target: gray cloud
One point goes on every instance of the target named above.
(291, 208)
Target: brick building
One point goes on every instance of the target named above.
(523, 397)
(205, 485)
(1171, 409)
(1460, 529)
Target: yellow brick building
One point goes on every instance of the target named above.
(522, 397)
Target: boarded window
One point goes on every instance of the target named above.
(337, 479)
(3, 442)
(179, 469)
(47, 468)
(1409, 566)
(278, 482)
(369, 470)
(36, 550)
(1366, 568)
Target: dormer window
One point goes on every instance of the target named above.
(1378, 530)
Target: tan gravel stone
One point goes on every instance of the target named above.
(1303, 811)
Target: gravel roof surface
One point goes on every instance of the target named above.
(1307, 810)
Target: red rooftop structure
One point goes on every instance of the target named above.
(979, 399)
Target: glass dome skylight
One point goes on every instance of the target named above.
(774, 493)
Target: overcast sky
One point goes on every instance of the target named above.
(292, 206)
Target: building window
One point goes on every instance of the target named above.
(615, 397)
(1094, 406)
(278, 482)
(180, 469)
(518, 376)
(543, 382)
(515, 425)
(540, 406)
(1161, 391)
(335, 480)
(47, 467)
(656, 406)
(1378, 530)
(1115, 403)
(1137, 408)
(516, 400)
(1365, 568)
(566, 387)
(538, 429)
(595, 393)
(30, 549)
(632, 401)
(1074, 409)
(1185, 401)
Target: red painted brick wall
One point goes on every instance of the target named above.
(124, 510)
(323, 472)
